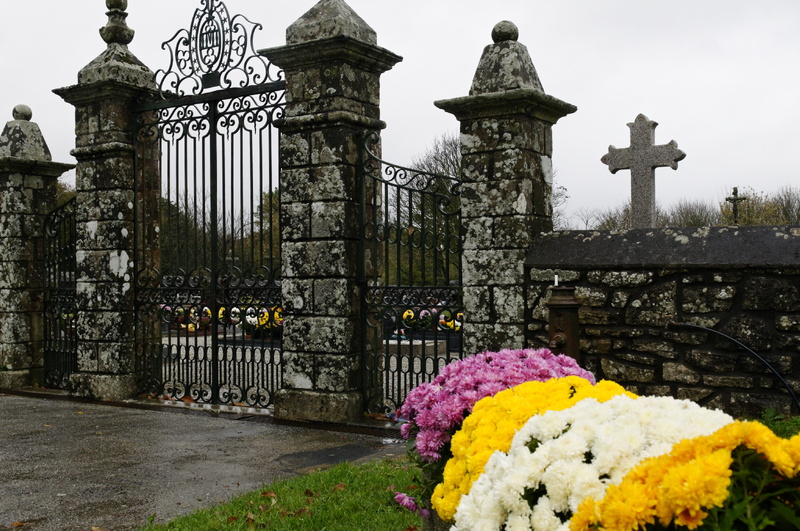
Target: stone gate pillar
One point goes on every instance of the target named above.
(506, 145)
(333, 66)
(104, 216)
(27, 194)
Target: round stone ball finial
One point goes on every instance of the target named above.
(22, 112)
(117, 4)
(505, 31)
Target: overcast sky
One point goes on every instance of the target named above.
(721, 77)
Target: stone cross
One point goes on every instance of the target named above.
(642, 158)
(735, 199)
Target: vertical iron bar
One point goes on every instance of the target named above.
(212, 116)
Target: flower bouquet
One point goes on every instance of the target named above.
(496, 419)
(559, 458)
(742, 476)
(434, 411)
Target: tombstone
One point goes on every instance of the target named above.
(734, 200)
(642, 158)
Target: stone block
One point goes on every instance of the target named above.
(104, 235)
(336, 220)
(504, 198)
(478, 299)
(711, 360)
(15, 327)
(686, 338)
(777, 294)
(591, 296)
(320, 259)
(480, 337)
(319, 183)
(106, 205)
(338, 373)
(15, 379)
(699, 320)
(779, 362)
(334, 146)
(316, 406)
(620, 298)
(752, 405)
(328, 335)
(676, 372)
(299, 370)
(509, 304)
(588, 316)
(707, 299)
(116, 357)
(336, 297)
(663, 349)
(87, 356)
(504, 133)
(622, 372)
(295, 221)
(479, 233)
(695, 394)
(113, 387)
(742, 382)
(788, 323)
(657, 390)
(548, 275)
(15, 356)
(656, 306)
(596, 346)
(295, 150)
(750, 331)
(621, 279)
(500, 267)
(297, 295)
(512, 232)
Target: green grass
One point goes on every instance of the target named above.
(345, 497)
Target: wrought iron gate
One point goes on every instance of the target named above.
(411, 242)
(208, 235)
(60, 344)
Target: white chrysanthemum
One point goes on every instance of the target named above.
(580, 451)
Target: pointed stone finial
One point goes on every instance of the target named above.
(22, 139)
(116, 31)
(505, 65)
(330, 18)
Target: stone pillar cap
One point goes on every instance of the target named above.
(117, 63)
(330, 18)
(505, 65)
(22, 139)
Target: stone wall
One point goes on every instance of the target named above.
(743, 282)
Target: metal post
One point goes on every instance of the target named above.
(564, 326)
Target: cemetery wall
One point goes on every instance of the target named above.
(633, 285)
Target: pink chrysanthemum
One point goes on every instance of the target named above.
(435, 410)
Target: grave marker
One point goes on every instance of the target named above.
(642, 158)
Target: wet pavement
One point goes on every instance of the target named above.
(67, 465)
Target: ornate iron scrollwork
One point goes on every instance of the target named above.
(215, 52)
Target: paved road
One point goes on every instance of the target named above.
(67, 465)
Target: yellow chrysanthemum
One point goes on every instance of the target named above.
(495, 420)
(680, 487)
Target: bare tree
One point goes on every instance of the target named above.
(689, 213)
